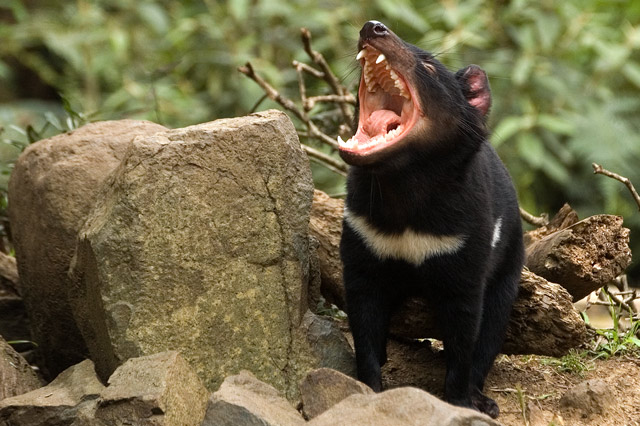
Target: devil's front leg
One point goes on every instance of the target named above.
(369, 321)
(457, 301)
(369, 303)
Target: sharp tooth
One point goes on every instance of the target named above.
(360, 55)
(368, 82)
(346, 144)
(380, 58)
(393, 75)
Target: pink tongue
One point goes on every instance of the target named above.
(379, 121)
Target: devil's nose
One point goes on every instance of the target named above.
(373, 29)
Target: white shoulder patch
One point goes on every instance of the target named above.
(410, 246)
(496, 233)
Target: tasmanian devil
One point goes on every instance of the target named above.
(430, 211)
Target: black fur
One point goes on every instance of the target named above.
(443, 179)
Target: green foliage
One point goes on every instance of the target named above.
(575, 362)
(330, 310)
(565, 75)
(618, 342)
(619, 339)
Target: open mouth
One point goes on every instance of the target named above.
(387, 107)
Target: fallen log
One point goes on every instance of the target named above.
(565, 217)
(325, 226)
(582, 257)
(543, 320)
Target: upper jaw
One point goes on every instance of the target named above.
(389, 107)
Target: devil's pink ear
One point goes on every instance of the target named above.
(475, 86)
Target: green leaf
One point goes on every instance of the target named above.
(631, 70)
(403, 11)
(22, 342)
(54, 120)
(32, 134)
(20, 12)
(508, 127)
(548, 28)
(585, 317)
(154, 16)
(554, 169)
(522, 70)
(239, 9)
(556, 124)
(531, 149)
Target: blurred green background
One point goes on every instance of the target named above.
(565, 75)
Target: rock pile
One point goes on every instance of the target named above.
(162, 389)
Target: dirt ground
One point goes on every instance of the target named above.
(529, 381)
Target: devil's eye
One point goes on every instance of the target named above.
(430, 67)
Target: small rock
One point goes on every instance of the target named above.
(400, 407)
(8, 273)
(244, 400)
(540, 417)
(328, 344)
(593, 396)
(323, 388)
(16, 375)
(56, 403)
(14, 324)
(159, 389)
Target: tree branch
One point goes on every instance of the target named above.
(541, 220)
(336, 166)
(328, 76)
(272, 93)
(597, 169)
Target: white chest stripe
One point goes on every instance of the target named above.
(410, 246)
(496, 233)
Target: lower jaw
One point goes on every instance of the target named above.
(359, 145)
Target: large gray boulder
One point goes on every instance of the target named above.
(52, 188)
(199, 243)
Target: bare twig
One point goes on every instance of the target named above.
(308, 69)
(330, 98)
(598, 169)
(329, 77)
(273, 94)
(541, 220)
(257, 104)
(288, 104)
(326, 160)
(309, 103)
(341, 96)
(619, 302)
